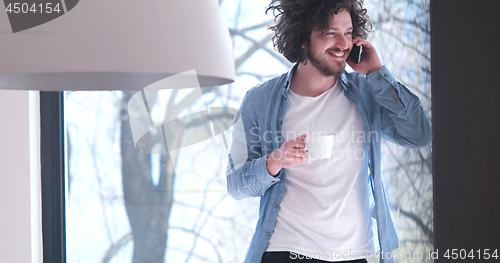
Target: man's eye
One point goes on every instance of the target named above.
(349, 33)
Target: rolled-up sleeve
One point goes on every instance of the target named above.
(405, 122)
(246, 173)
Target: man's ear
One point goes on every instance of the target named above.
(304, 48)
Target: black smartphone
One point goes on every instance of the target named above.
(355, 54)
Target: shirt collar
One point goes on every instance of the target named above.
(345, 81)
(289, 76)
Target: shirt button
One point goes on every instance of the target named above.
(275, 206)
(280, 122)
(385, 75)
(395, 99)
(379, 77)
(267, 234)
(282, 180)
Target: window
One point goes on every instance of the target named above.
(177, 203)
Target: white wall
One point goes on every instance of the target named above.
(18, 243)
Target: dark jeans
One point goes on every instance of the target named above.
(287, 257)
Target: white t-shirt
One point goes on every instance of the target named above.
(325, 210)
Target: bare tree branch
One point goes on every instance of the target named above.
(260, 77)
(262, 45)
(197, 235)
(116, 246)
(405, 169)
(427, 231)
(252, 49)
(202, 225)
(413, 23)
(256, 26)
(398, 38)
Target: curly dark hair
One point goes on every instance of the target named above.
(296, 19)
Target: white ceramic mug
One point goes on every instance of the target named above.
(319, 147)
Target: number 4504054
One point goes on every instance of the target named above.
(25, 8)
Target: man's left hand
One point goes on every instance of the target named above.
(370, 61)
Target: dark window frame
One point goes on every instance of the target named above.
(53, 176)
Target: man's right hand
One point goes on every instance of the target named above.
(288, 155)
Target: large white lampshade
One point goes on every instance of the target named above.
(116, 45)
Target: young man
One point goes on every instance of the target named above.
(321, 208)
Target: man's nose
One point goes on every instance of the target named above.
(343, 42)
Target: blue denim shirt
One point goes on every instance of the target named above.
(257, 133)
